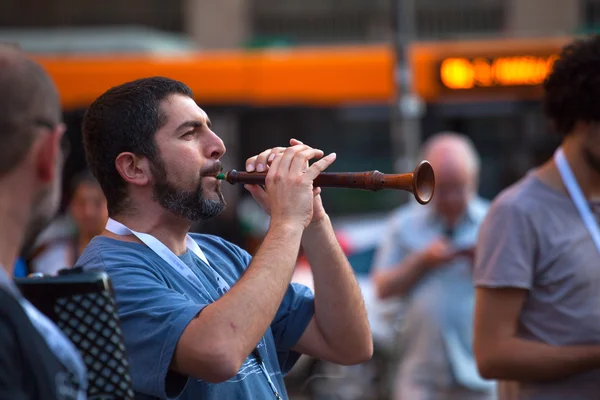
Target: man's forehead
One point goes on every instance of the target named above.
(180, 108)
(203, 115)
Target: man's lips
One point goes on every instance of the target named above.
(213, 172)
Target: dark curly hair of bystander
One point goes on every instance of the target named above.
(572, 90)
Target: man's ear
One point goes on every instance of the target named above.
(49, 156)
(133, 169)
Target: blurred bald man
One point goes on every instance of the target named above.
(426, 258)
(37, 362)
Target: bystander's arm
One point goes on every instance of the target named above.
(501, 355)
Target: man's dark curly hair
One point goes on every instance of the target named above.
(125, 119)
(572, 90)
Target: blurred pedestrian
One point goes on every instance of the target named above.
(37, 361)
(426, 258)
(88, 211)
(537, 319)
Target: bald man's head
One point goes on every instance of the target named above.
(28, 100)
(31, 129)
(452, 148)
(456, 165)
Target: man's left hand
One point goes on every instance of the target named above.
(261, 163)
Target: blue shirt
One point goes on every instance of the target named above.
(156, 304)
(437, 340)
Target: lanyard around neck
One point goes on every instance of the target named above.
(167, 255)
(577, 196)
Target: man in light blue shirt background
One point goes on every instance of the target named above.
(426, 258)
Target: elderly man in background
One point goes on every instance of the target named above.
(426, 258)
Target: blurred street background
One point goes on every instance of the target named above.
(367, 79)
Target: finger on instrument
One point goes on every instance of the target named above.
(273, 174)
(258, 162)
(272, 154)
(289, 154)
(300, 161)
(319, 166)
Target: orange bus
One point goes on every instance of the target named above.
(339, 99)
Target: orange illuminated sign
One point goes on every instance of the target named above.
(511, 71)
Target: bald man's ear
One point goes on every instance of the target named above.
(133, 169)
(48, 154)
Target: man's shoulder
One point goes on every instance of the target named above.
(16, 338)
(104, 252)
(210, 240)
(17, 334)
(410, 214)
(518, 197)
(11, 313)
(36, 372)
(525, 204)
(410, 210)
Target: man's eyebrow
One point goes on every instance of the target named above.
(193, 124)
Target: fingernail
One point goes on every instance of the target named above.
(260, 168)
(333, 155)
(250, 167)
(272, 157)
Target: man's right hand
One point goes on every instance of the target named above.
(437, 254)
(289, 191)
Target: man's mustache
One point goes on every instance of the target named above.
(212, 170)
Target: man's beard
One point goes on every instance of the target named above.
(189, 204)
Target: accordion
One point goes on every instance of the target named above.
(82, 305)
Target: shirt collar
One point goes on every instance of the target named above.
(468, 217)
